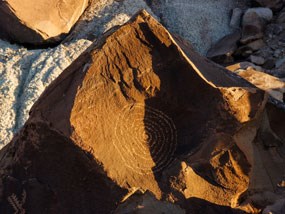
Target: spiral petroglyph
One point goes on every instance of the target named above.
(145, 138)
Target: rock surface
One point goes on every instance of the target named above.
(155, 119)
(39, 22)
(26, 73)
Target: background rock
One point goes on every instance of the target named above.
(201, 23)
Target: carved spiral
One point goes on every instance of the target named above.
(145, 138)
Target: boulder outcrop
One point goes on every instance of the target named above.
(38, 22)
(140, 111)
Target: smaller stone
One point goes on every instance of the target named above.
(236, 18)
(269, 64)
(280, 62)
(274, 29)
(222, 51)
(258, 60)
(277, 53)
(244, 66)
(256, 45)
(281, 17)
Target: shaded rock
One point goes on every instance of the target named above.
(147, 203)
(221, 52)
(281, 17)
(276, 208)
(161, 118)
(258, 60)
(275, 5)
(269, 63)
(38, 22)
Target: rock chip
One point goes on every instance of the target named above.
(38, 22)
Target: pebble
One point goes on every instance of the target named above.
(258, 60)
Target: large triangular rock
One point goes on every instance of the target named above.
(137, 112)
(38, 22)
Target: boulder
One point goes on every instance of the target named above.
(139, 110)
(40, 22)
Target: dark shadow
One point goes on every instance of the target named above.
(197, 109)
(50, 174)
(200, 206)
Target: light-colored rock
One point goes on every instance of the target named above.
(265, 13)
(273, 85)
(38, 22)
(202, 23)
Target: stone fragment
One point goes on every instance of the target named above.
(256, 45)
(258, 60)
(38, 22)
(221, 52)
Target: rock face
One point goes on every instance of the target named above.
(141, 111)
(38, 22)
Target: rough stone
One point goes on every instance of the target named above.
(38, 22)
